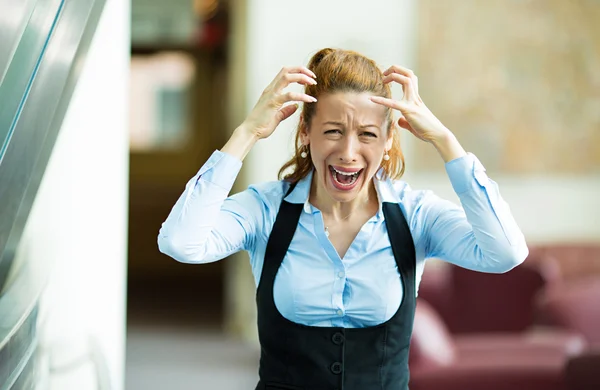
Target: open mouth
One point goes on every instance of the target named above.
(344, 179)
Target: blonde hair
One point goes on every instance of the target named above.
(343, 71)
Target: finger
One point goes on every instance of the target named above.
(297, 69)
(407, 73)
(391, 103)
(299, 78)
(289, 70)
(399, 69)
(303, 69)
(406, 82)
(402, 122)
(296, 97)
(286, 111)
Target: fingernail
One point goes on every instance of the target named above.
(314, 99)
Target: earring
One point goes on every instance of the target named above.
(304, 154)
(386, 156)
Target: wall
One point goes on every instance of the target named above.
(517, 82)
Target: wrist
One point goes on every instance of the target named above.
(241, 142)
(246, 132)
(448, 147)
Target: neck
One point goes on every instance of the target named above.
(321, 199)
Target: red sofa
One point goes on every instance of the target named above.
(477, 302)
(502, 361)
(582, 371)
(573, 305)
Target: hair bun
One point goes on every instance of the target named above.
(318, 57)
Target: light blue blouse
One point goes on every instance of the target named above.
(314, 286)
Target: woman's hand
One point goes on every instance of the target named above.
(416, 117)
(269, 111)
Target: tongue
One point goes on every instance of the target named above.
(344, 179)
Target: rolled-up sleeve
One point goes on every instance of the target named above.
(205, 224)
(482, 235)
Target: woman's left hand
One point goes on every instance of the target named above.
(416, 117)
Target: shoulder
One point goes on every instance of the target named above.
(401, 192)
(262, 201)
(420, 206)
(271, 193)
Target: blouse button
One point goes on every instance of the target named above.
(340, 312)
(340, 274)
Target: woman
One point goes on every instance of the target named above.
(338, 247)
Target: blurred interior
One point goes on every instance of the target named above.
(139, 94)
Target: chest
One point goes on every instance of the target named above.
(342, 236)
(313, 285)
(317, 287)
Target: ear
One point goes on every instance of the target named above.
(390, 140)
(304, 136)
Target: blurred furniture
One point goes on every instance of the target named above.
(439, 360)
(573, 305)
(573, 261)
(470, 301)
(582, 371)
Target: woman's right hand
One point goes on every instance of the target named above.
(269, 111)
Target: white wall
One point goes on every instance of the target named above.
(79, 219)
(549, 209)
(279, 34)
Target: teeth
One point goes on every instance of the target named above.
(353, 175)
(346, 173)
(352, 181)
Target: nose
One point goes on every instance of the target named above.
(349, 151)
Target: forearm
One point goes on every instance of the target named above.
(241, 142)
(448, 146)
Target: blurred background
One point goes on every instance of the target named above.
(108, 107)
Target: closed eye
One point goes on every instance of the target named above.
(369, 134)
(333, 131)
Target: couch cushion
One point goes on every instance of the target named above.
(574, 305)
(431, 343)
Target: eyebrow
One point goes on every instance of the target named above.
(342, 125)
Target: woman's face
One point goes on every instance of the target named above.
(347, 137)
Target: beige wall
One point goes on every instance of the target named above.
(517, 81)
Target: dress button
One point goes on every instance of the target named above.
(336, 368)
(337, 338)
(340, 312)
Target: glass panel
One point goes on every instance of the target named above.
(13, 20)
(20, 72)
